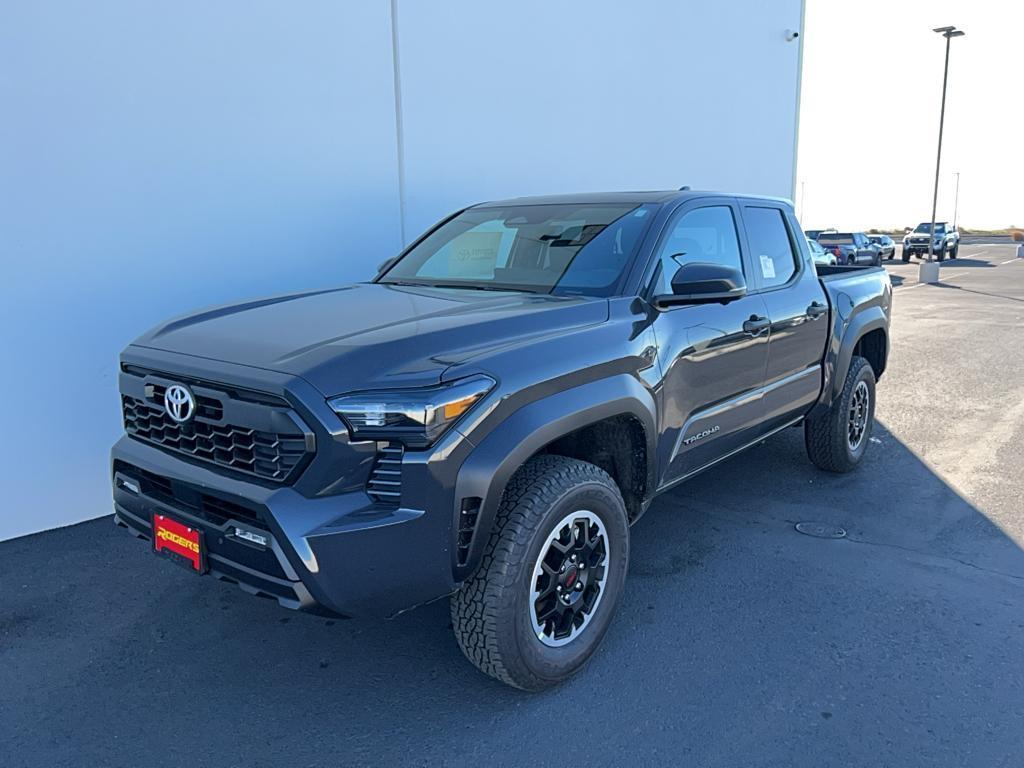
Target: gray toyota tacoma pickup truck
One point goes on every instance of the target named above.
(946, 241)
(488, 416)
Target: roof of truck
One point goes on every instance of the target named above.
(662, 196)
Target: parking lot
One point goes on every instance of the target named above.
(739, 640)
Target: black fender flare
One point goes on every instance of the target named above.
(522, 433)
(862, 323)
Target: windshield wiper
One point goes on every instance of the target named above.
(477, 287)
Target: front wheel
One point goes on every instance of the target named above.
(554, 568)
(837, 439)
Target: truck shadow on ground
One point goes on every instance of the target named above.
(980, 293)
(739, 641)
(965, 262)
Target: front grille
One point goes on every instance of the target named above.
(268, 455)
(385, 483)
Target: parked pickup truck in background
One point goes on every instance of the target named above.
(490, 414)
(947, 241)
(852, 248)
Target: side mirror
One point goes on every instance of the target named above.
(704, 283)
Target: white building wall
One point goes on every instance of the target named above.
(539, 97)
(154, 159)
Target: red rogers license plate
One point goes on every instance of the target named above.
(179, 542)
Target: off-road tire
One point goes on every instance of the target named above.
(827, 437)
(491, 613)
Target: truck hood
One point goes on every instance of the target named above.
(371, 335)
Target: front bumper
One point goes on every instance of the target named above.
(339, 554)
(913, 248)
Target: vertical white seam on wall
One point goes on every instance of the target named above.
(399, 132)
(796, 115)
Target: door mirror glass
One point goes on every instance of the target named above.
(704, 283)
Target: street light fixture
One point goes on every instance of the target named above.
(929, 272)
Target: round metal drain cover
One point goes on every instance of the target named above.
(821, 530)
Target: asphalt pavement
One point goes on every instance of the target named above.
(739, 641)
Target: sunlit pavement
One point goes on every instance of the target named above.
(739, 642)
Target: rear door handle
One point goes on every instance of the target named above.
(816, 310)
(756, 325)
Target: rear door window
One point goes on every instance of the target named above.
(771, 249)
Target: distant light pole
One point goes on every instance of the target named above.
(931, 274)
(956, 198)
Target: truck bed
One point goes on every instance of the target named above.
(830, 272)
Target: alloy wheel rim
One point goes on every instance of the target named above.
(858, 419)
(569, 578)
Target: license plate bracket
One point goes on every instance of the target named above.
(179, 542)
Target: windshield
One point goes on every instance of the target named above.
(926, 227)
(563, 248)
(815, 246)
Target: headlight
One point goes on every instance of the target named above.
(416, 417)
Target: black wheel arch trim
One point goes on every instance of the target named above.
(840, 352)
(486, 471)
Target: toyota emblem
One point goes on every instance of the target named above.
(179, 403)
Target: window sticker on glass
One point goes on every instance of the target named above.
(474, 254)
(767, 267)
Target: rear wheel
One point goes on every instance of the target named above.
(551, 576)
(837, 439)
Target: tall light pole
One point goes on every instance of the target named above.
(956, 198)
(931, 274)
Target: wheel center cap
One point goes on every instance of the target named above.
(571, 576)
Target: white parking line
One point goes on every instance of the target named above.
(1001, 263)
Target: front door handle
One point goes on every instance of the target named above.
(816, 310)
(756, 325)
